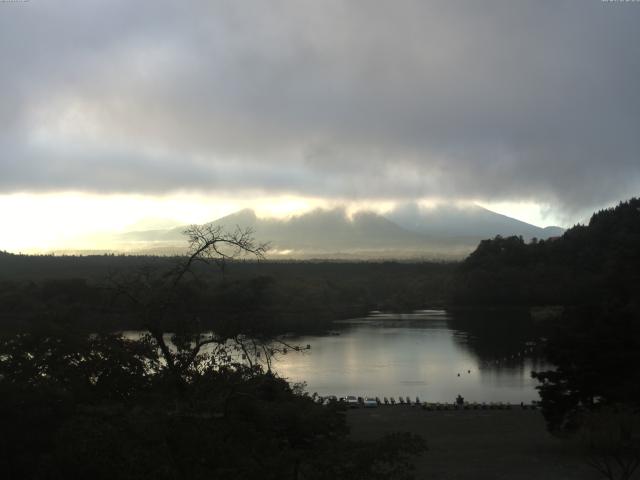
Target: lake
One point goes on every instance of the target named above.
(433, 354)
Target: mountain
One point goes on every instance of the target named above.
(465, 221)
(406, 232)
(327, 230)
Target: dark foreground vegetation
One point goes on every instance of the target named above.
(106, 408)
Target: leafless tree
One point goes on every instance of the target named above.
(153, 292)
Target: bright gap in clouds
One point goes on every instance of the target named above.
(533, 213)
(41, 223)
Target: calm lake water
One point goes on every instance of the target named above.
(483, 355)
(431, 353)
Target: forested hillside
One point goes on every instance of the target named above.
(585, 265)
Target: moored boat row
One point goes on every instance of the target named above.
(351, 401)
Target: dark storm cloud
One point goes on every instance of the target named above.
(493, 100)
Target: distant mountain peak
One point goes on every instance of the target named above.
(408, 231)
(242, 217)
(464, 221)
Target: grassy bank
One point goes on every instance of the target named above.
(477, 444)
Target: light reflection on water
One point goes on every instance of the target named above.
(418, 354)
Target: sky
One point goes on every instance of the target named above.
(116, 114)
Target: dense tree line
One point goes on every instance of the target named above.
(286, 296)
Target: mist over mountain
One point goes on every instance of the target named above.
(408, 231)
(464, 221)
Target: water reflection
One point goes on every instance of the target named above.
(433, 354)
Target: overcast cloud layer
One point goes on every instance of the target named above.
(490, 100)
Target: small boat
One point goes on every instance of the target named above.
(352, 401)
(369, 402)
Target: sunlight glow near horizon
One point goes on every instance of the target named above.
(533, 213)
(41, 223)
